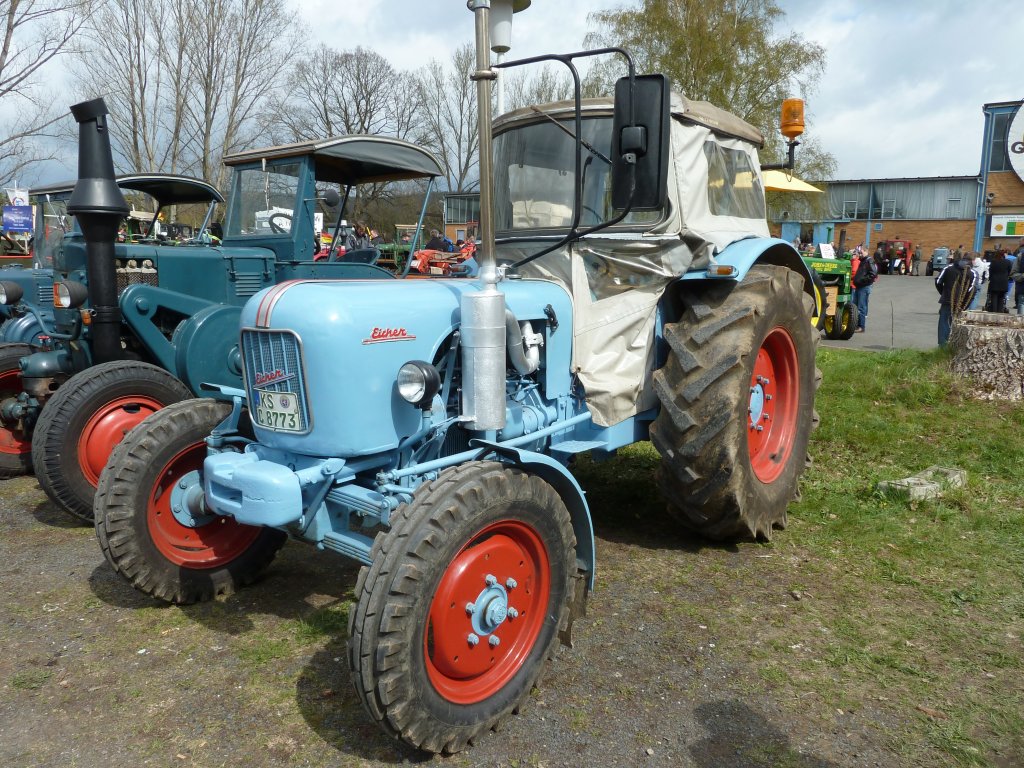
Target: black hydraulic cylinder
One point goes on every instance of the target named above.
(98, 204)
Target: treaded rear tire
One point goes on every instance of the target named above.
(15, 445)
(707, 474)
(125, 391)
(142, 467)
(388, 648)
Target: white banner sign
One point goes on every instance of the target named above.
(1015, 143)
(1007, 226)
(17, 196)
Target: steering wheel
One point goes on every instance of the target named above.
(277, 229)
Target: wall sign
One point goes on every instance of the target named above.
(1011, 225)
(1015, 143)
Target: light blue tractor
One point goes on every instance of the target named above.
(628, 291)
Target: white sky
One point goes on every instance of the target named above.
(902, 94)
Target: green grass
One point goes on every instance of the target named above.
(912, 607)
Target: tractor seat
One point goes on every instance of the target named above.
(360, 256)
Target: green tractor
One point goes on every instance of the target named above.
(840, 318)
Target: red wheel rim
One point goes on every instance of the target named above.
(774, 405)
(106, 428)
(10, 443)
(464, 673)
(208, 546)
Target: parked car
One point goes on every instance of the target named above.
(939, 261)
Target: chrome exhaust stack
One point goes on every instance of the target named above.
(483, 311)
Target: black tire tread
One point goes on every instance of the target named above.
(375, 653)
(121, 497)
(76, 400)
(700, 388)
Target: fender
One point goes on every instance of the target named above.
(26, 329)
(559, 478)
(743, 254)
(139, 305)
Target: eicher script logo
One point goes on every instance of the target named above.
(388, 334)
(272, 377)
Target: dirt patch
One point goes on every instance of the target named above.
(683, 660)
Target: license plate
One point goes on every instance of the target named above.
(833, 297)
(278, 410)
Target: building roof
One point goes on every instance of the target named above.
(973, 177)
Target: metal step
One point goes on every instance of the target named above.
(572, 447)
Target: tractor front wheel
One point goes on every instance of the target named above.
(150, 521)
(83, 421)
(15, 439)
(737, 403)
(462, 606)
(843, 323)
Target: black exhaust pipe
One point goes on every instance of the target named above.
(98, 204)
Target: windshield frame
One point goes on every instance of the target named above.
(558, 141)
(240, 195)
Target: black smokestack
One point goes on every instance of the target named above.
(99, 205)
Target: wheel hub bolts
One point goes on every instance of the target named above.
(472, 639)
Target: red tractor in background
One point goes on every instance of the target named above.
(896, 256)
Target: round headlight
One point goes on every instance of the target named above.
(10, 293)
(69, 294)
(418, 382)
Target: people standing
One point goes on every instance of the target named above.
(863, 279)
(357, 238)
(956, 285)
(998, 283)
(916, 261)
(1017, 276)
(1011, 257)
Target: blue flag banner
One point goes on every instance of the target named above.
(17, 218)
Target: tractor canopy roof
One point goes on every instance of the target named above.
(699, 112)
(354, 159)
(165, 188)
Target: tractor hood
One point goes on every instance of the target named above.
(333, 350)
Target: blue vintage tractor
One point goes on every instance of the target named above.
(138, 326)
(628, 291)
(51, 339)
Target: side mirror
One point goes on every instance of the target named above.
(640, 143)
(331, 198)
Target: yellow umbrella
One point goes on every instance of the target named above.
(780, 182)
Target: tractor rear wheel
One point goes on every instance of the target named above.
(737, 404)
(15, 438)
(462, 606)
(143, 519)
(83, 421)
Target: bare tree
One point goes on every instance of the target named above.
(448, 112)
(536, 86)
(333, 92)
(35, 33)
(191, 77)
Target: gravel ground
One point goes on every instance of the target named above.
(662, 673)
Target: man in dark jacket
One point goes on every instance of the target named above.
(863, 278)
(998, 282)
(1017, 276)
(956, 285)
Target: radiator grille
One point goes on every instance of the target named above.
(248, 284)
(273, 363)
(133, 274)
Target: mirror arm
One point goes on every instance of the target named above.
(790, 162)
(574, 232)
